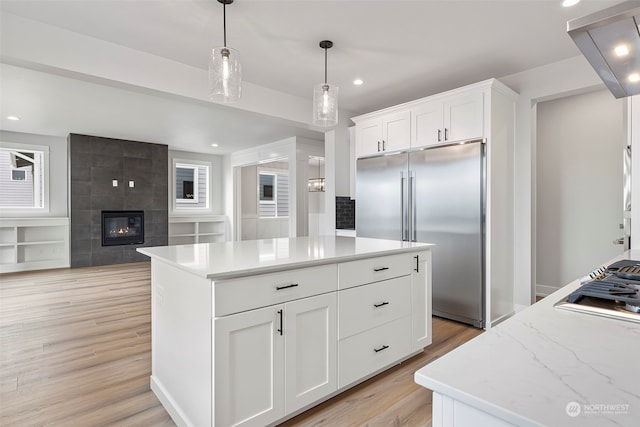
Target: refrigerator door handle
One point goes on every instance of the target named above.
(404, 236)
(410, 213)
(413, 226)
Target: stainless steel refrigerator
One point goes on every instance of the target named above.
(434, 195)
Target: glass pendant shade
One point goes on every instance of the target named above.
(325, 105)
(225, 75)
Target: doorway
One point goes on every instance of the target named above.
(580, 143)
(264, 200)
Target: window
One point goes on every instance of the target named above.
(267, 184)
(191, 185)
(23, 177)
(18, 175)
(273, 194)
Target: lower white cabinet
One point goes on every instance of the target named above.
(275, 360)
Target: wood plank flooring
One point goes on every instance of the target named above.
(75, 350)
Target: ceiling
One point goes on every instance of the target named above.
(403, 50)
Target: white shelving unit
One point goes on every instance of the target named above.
(33, 244)
(197, 229)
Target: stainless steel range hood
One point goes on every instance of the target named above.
(610, 40)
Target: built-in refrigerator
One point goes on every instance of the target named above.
(432, 195)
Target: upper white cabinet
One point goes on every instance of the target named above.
(453, 119)
(452, 116)
(388, 133)
(463, 117)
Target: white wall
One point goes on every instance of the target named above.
(58, 172)
(551, 81)
(579, 144)
(216, 177)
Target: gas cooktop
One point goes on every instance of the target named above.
(612, 291)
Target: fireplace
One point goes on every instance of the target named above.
(122, 228)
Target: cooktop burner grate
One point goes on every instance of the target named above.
(606, 290)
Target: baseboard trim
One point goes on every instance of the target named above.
(543, 290)
(169, 404)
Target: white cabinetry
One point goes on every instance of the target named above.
(457, 118)
(388, 133)
(197, 229)
(274, 360)
(280, 342)
(457, 115)
(33, 244)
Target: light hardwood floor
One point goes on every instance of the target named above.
(75, 350)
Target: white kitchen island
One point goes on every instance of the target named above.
(544, 366)
(253, 332)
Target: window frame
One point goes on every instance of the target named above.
(44, 172)
(178, 210)
(276, 176)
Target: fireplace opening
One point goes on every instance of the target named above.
(122, 228)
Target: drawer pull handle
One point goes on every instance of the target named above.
(378, 350)
(293, 285)
(381, 304)
(380, 269)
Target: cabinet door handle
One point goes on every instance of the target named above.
(417, 257)
(378, 350)
(383, 142)
(293, 285)
(446, 137)
(380, 269)
(378, 146)
(439, 135)
(280, 328)
(381, 304)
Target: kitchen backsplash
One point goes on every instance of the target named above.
(345, 212)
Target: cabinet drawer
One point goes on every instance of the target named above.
(360, 272)
(357, 355)
(247, 293)
(368, 306)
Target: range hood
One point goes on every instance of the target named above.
(610, 40)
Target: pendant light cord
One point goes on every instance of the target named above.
(325, 65)
(224, 22)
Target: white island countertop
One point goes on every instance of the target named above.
(540, 365)
(226, 260)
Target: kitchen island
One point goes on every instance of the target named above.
(544, 366)
(255, 332)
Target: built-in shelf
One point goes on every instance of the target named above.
(33, 244)
(197, 229)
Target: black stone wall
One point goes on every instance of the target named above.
(93, 163)
(345, 212)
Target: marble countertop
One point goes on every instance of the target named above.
(227, 260)
(528, 369)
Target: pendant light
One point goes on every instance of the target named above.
(325, 97)
(225, 75)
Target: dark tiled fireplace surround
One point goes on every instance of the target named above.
(95, 163)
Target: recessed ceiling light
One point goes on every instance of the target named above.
(635, 77)
(14, 118)
(358, 82)
(214, 145)
(621, 50)
(569, 3)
